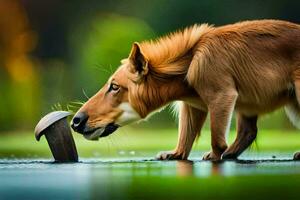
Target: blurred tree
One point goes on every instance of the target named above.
(99, 44)
(19, 91)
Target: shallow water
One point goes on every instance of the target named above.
(143, 177)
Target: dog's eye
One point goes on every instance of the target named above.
(113, 87)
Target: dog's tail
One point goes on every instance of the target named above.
(292, 111)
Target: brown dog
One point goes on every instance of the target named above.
(251, 67)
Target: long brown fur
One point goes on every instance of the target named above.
(252, 67)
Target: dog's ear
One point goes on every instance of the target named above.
(138, 60)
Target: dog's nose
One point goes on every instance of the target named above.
(79, 121)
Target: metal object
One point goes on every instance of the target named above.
(56, 129)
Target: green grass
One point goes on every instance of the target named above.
(135, 141)
(252, 187)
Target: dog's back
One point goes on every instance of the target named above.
(260, 57)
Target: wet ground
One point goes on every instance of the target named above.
(254, 176)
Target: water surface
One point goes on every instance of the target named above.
(253, 176)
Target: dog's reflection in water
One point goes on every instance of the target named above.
(185, 168)
(188, 168)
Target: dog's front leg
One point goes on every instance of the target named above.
(191, 121)
(221, 107)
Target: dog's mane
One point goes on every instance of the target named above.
(167, 54)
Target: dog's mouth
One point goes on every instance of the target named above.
(96, 133)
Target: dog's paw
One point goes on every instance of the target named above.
(297, 156)
(169, 155)
(211, 156)
(229, 156)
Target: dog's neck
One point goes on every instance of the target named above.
(159, 89)
(169, 60)
(155, 94)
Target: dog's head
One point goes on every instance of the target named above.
(152, 76)
(117, 103)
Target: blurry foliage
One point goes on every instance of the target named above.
(19, 83)
(99, 44)
(55, 52)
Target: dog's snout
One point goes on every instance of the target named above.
(79, 121)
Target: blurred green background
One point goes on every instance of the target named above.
(57, 52)
(54, 52)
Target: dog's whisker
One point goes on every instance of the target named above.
(102, 68)
(84, 93)
(111, 69)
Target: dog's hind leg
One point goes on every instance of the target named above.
(191, 121)
(293, 108)
(246, 134)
